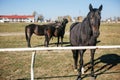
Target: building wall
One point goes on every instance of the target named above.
(5, 19)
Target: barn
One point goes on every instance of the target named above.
(16, 18)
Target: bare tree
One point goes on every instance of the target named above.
(68, 17)
(40, 18)
(35, 15)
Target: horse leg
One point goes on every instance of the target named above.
(29, 42)
(75, 57)
(58, 41)
(61, 41)
(29, 38)
(46, 42)
(81, 64)
(47, 39)
(28, 35)
(92, 64)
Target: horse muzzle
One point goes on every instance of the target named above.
(96, 34)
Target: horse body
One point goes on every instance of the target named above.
(85, 34)
(58, 30)
(76, 39)
(36, 29)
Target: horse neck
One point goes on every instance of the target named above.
(86, 26)
(63, 25)
(86, 23)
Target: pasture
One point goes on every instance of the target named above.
(56, 65)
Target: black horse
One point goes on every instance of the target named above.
(57, 31)
(38, 30)
(86, 34)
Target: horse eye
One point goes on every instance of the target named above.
(98, 14)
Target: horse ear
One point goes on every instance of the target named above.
(90, 7)
(100, 8)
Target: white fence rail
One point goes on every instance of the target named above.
(54, 48)
(58, 48)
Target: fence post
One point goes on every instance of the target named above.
(32, 64)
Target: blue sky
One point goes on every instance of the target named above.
(54, 8)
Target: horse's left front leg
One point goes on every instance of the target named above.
(58, 42)
(61, 41)
(45, 42)
(92, 64)
(47, 39)
(81, 65)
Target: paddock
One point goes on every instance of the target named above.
(33, 50)
(55, 64)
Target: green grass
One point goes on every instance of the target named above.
(12, 27)
(110, 34)
(56, 65)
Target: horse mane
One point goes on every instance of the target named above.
(64, 21)
(73, 25)
(83, 22)
(86, 26)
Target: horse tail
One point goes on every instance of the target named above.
(26, 33)
(73, 25)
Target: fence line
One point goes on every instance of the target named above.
(53, 48)
(58, 48)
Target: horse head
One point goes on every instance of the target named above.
(65, 21)
(94, 17)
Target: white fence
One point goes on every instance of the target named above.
(53, 48)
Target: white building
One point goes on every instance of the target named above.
(16, 18)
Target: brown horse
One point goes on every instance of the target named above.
(38, 30)
(57, 31)
(86, 34)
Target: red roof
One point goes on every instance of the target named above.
(16, 16)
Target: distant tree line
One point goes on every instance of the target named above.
(38, 17)
(41, 18)
(116, 19)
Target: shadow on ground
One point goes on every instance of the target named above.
(109, 60)
(55, 44)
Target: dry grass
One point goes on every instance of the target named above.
(58, 65)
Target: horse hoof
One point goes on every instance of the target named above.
(92, 78)
(78, 79)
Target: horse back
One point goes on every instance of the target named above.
(73, 25)
(75, 34)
